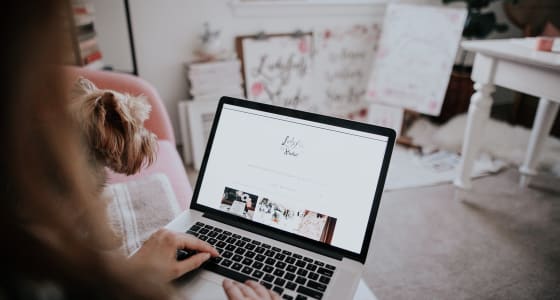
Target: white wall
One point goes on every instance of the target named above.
(166, 32)
(112, 34)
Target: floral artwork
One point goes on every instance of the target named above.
(278, 71)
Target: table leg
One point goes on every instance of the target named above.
(544, 119)
(479, 112)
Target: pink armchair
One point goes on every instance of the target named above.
(168, 160)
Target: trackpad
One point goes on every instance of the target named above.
(201, 285)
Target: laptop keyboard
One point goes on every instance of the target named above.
(291, 275)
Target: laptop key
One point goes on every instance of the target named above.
(237, 266)
(324, 279)
(221, 244)
(221, 237)
(212, 241)
(227, 254)
(250, 254)
(280, 256)
(266, 284)
(281, 265)
(231, 240)
(257, 274)
(208, 227)
(325, 272)
(290, 260)
(295, 255)
(218, 230)
(226, 262)
(315, 285)
(291, 286)
(301, 272)
(268, 278)
(266, 246)
(299, 263)
(301, 280)
(311, 267)
(222, 270)
(290, 276)
(230, 247)
(258, 265)
(212, 234)
(200, 224)
(237, 236)
(278, 272)
(247, 261)
(313, 276)
(260, 257)
(227, 233)
(301, 297)
(203, 238)
(307, 259)
(237, 257)
(250, 246)
(216, 259)
(330, 267)
(255, 242)
(248, 270)
(240, 243)
(268, 269)
(291, 268)
(276, 249)
(286, 252)
(278, 290)
(269, 253)
(240, 251)
(320, 264)
(260, 250)
(287, 297)
(280, 282)
(195, 228)
(309, 292)
(204, 231)
(245, 239)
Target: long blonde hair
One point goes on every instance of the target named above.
(47, 194)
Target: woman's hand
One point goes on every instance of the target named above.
(158, 254)
(251, 290)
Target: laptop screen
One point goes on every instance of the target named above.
(303, 177)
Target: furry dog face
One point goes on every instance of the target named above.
(113, 127)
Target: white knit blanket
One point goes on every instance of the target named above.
(140, 207)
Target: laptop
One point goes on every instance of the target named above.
(289, 199)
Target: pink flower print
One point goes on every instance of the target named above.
(257, 88)
(303, 46)
(327, 35)
(363, 112)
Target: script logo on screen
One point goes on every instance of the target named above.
(291, 146)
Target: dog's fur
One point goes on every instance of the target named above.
(112, 125)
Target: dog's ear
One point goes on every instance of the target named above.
(140, 108)
(110, 128)
(81, 87)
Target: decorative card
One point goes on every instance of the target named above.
(343, 62)
(415, 56)
(278, 70)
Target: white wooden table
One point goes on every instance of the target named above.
(509, 64)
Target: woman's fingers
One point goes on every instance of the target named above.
(260, 290)
(187, 241)
(247, 291)
(192, 262)
(232, 291)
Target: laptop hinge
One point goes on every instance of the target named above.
(273, 235)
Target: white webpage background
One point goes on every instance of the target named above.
(334, 174)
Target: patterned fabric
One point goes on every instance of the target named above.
(140, 207)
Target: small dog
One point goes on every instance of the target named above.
(112, 125)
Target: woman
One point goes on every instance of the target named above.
(52, 225)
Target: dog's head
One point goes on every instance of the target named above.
(113, 126)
